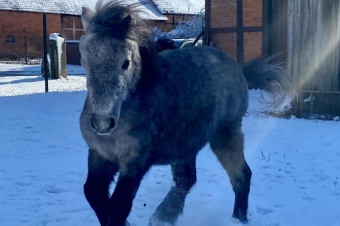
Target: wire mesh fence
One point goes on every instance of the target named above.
(22, 75)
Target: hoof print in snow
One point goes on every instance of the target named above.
(264, 211)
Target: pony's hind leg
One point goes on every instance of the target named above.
(184, 176)
(227, 144)
(96, 188)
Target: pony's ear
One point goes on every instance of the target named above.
(86, 16)
(128, 19)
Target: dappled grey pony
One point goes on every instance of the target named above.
(145, 108)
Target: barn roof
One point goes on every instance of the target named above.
(180, 6)
(71, 7)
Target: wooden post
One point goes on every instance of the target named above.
(239, 27)
(207, 26)
(63, 72)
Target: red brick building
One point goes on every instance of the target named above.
(21, 24)
(21, 33)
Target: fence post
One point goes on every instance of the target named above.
(58, 56)
(45, 52)
(48, 65)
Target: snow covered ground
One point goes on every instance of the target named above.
(20, 79)
(295, 164)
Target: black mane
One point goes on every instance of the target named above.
(121, 21)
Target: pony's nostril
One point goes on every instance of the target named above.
(93, 124)
(102, 125)
(112, 123)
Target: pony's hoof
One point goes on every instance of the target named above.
(240, 216)
(240, 219)
(125, 224)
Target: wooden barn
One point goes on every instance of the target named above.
(304, 34)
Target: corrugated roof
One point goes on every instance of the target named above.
(180, 6)
(72, 7)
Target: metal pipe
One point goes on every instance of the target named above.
(45, 52)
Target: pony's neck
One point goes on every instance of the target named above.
(151, 67)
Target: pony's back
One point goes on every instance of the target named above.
(206, 78)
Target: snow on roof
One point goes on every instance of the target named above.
(72, 7)
(180, 6)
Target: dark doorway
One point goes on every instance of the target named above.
(275, 29)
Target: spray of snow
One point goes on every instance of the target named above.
(260, 103)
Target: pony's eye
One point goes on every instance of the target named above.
(126, 64)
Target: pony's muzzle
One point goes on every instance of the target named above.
(103, 125)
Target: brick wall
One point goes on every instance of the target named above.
(27, 28)
(252, 13)
(224, 14)
(72, 28)
(226, 42)
(15, 22)
(252, 16)
(252, 44)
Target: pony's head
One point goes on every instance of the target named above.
(110, 54)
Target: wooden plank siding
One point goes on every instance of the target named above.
(313, 44)
(313, 56)
(276, 30)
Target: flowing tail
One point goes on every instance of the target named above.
(261, 74)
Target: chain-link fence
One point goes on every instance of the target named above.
(22, 75)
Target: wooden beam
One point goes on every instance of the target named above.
(239, 26)
(265, 32)
(319, 91)
(223, 30)
(234, 29)
(207, 26)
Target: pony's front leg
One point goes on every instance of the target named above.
(96, 188)
(184, 176)
(123, 195)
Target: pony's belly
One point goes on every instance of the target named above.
(185, 147)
